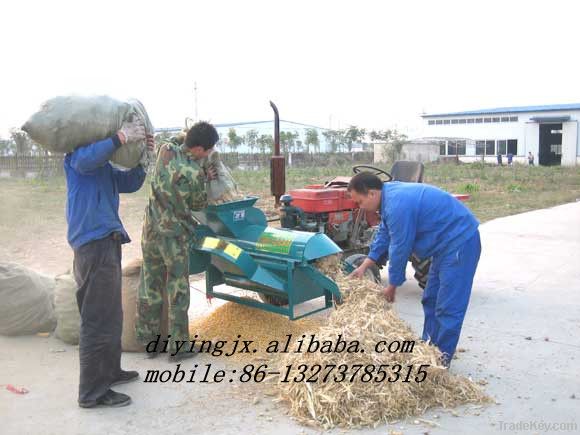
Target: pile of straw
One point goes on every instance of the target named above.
(365, 316)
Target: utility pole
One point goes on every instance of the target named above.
(195, 100)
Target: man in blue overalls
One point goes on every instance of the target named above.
(422, 219)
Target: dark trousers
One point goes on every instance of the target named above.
(97, 271)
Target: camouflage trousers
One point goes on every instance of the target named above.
(165, 267)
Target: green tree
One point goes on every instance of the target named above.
(265, 142)
(288, 141)
(395, 142)
(296, 142)
(299, 146)
(312, 140)
(251, 139)
(353, 135)
(22, 141)
(335, 139)
(7, 147)
(234, 140)
(380, 135)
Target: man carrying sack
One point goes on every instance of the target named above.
(95, 233)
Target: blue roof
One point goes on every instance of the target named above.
(271, 121)
(238, 124)
(521, 109)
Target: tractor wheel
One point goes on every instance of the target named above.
(373, 273)
(273, 300)
(421, 270)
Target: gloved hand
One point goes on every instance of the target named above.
(131, 131)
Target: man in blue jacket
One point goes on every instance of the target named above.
(95, 233)
(422, 219)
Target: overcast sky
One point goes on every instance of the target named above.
(375, 64)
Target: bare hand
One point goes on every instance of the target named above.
(150, 142)
(389, 293)
(211, 173)
(358, 272)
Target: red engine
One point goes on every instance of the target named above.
(329, 208)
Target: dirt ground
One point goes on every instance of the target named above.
(520, 337)
(33, 224)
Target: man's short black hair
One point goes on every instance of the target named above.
(202, 134)
(362, 182)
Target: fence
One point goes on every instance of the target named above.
(52, 165)
(31, 166)
(300, 160)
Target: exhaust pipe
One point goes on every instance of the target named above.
(277, 162)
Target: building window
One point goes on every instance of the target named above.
(442, 148)
(486, 147)
(455, 121)
(495, 119)
(431, 122)
(505, 119)
(486, 119)
(556, 149)
(512, 146)
(462, 121)
(490, 147)
(513, 119)
(501, 146)
(478, 120)
(470, 120)
(439, 121)
(456, 147)
(446, 121)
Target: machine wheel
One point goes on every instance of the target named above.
(273, 300)
(373, 272)
(421, 269)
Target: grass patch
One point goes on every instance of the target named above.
(31, 204)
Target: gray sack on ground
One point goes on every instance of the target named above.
(68, 319)
(68, 122)
(26, 297)
(131, 280)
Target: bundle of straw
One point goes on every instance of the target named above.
(365, 316)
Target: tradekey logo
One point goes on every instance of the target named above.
(538, 425)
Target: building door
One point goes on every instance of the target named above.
(569, 143)
(550, 152)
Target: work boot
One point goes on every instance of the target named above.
(151, 355)
(111, 399)
(180, 356)
(125, 376)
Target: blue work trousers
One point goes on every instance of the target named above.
(446, 296)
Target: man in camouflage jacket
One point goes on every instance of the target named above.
(177, 189)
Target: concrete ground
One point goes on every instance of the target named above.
(521, 336)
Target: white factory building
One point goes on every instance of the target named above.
(549, 132)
